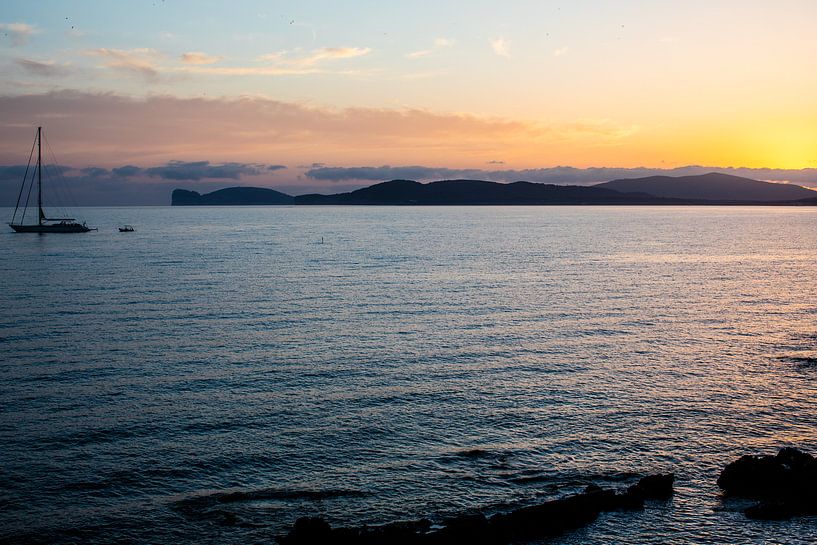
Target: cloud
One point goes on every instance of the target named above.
(197, 170)
(560, 51)
(332, 53)
(154, 130)
(129, 184)
(438, 44)
(18, 33)
(199, 58)
(289, 58)
(126, 171)
(337, 174)
(276, 167)
(42, 68)
(285, 63)
(496, 162)
(140, 61)
(419, 54)
(552, 175)
(106, 190)
(414, 76)
(151, 64)
(95, 172)
(12, 172)
(135, 185)
(501, 47)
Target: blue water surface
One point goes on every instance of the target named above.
(220, 371)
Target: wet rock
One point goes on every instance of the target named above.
(308, 531)
(550, 518)
(397, 533)
(547, 519)
(653, 487)
(787, 482)
(316, 531)
(769, 510)
(472, 529)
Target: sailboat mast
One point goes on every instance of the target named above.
(40, 175)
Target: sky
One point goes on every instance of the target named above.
(139, 97)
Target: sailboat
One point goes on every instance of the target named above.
(44, 224)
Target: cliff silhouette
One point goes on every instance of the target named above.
(710, 188)
(477, 192)
(231, 196)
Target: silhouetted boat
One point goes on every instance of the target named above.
(44, 224)
(126, 229)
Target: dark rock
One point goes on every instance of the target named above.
(397, 533)
(790, 472)
(628, 501)
(653, 487)
(770, 510)
(752, 476)
(308, 531)
(794, 459)
(550, 518)
(547, 519)
(786, 482)
(592, 489)
(472, 529)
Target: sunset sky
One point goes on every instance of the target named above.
(140, 97)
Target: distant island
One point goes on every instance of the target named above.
(231, 196)
(710, 188)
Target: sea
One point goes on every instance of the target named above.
(220, 372)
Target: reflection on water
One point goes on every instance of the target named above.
(221, 366)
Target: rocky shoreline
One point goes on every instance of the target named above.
(784, 484)
(527, 523)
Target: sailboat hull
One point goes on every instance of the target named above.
(55, 228)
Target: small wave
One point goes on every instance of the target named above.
(98, 436)
(84, 486)
(801, 361)
(202, 503)
(533, 477)
(496, 458)
(472, 453)
(529, 479)
(478, 453)
(216, 426)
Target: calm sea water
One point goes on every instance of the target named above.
(420, 362)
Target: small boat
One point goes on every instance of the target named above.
(126, 229)
(44, 224)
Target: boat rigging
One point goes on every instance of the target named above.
(44, 224)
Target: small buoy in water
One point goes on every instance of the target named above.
(321, 240)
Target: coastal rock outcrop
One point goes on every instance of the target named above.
(785, 483)
(653, 487)
(231, 196)
(527, 523)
